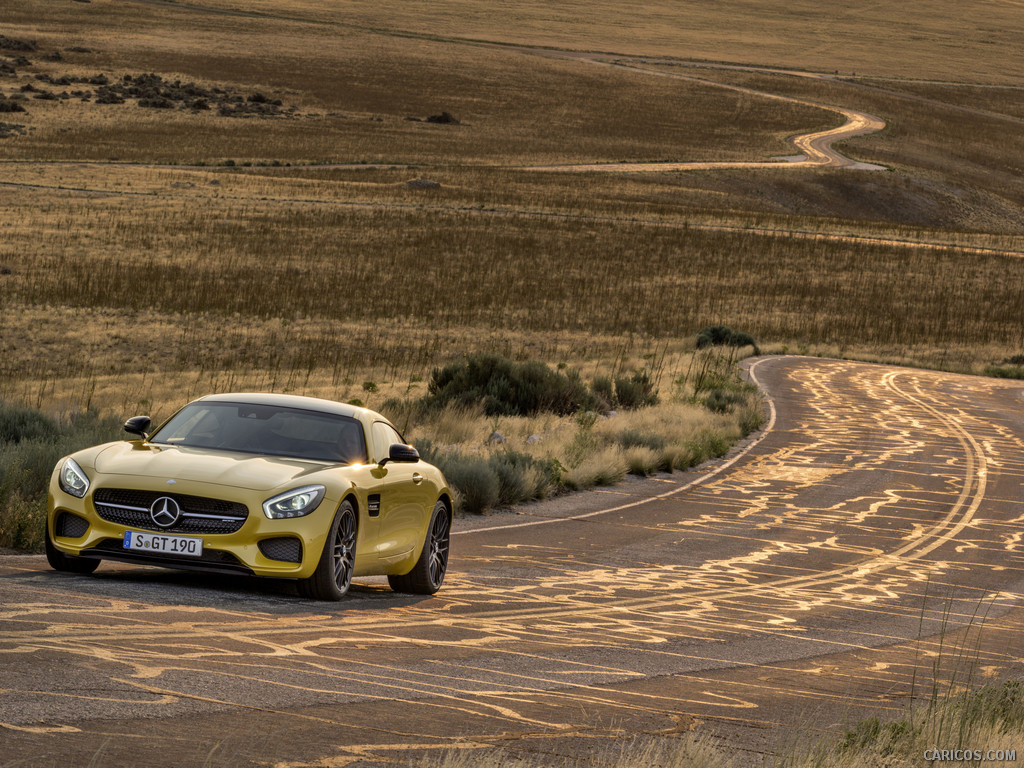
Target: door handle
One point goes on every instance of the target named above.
(417, 478)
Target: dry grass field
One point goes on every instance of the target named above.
(266, 236)
(214, 192)
(146, 244)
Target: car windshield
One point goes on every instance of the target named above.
(266, 429)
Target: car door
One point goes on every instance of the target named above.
(403, 502)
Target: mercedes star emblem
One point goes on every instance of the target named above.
(165, 511)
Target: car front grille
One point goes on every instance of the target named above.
(198, 514)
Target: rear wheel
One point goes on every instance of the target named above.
(68, 563)
(427, 575)
(333, 574)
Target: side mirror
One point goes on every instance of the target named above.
(400, 452)
(138, 425)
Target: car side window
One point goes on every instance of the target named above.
(383, 436)
(351, 445)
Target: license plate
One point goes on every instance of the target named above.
(190, 546)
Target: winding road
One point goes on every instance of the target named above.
(867, 545)
(816, 150)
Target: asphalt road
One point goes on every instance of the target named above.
(869, 540)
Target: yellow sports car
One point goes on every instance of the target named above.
(260, 484)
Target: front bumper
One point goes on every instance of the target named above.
(288, 548)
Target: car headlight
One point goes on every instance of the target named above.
(72, 479)
(295, 503)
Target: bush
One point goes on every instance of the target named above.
(636, 391)
(507, 388)
(606, 467)
(604, 391)
(634, 438)
(477, 483)
(22, 522)
(722, 400)
(751, 416)
(507, 477)
(30, 447)
(643, 461)
(584, 442)
(521, 477)
(724, 336)
(1012, 371)
(18, 423)
(707, 444)
(474, 482)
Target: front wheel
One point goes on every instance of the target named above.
(68, 563)
(427, 575)
(333, 574)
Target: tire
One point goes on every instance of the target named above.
(333, 574)
(427, 575)
(68, 563)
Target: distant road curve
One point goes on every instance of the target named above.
(815, 148)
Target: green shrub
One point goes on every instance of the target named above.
(18, 423)
(1012, 371)
(604, 391)
(476, 481)
(30, 448)
(751, 416)
(994, 705)
(707, 444)
(22, 522)
(643, 461)
(507, 388)
(634, 438)
(521, 477)
(635, 391)
(722, 400)
(584, 442)
(872, 735)
(724, 336)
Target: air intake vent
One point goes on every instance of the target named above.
(285, 548)
(71, 526)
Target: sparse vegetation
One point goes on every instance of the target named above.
(545, 451)
(503, 387)
(724, 336)
(1010, 368)
(30, 446)
(991, 717)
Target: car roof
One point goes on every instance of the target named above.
(294, 401)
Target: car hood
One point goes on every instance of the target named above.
(237, 470)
